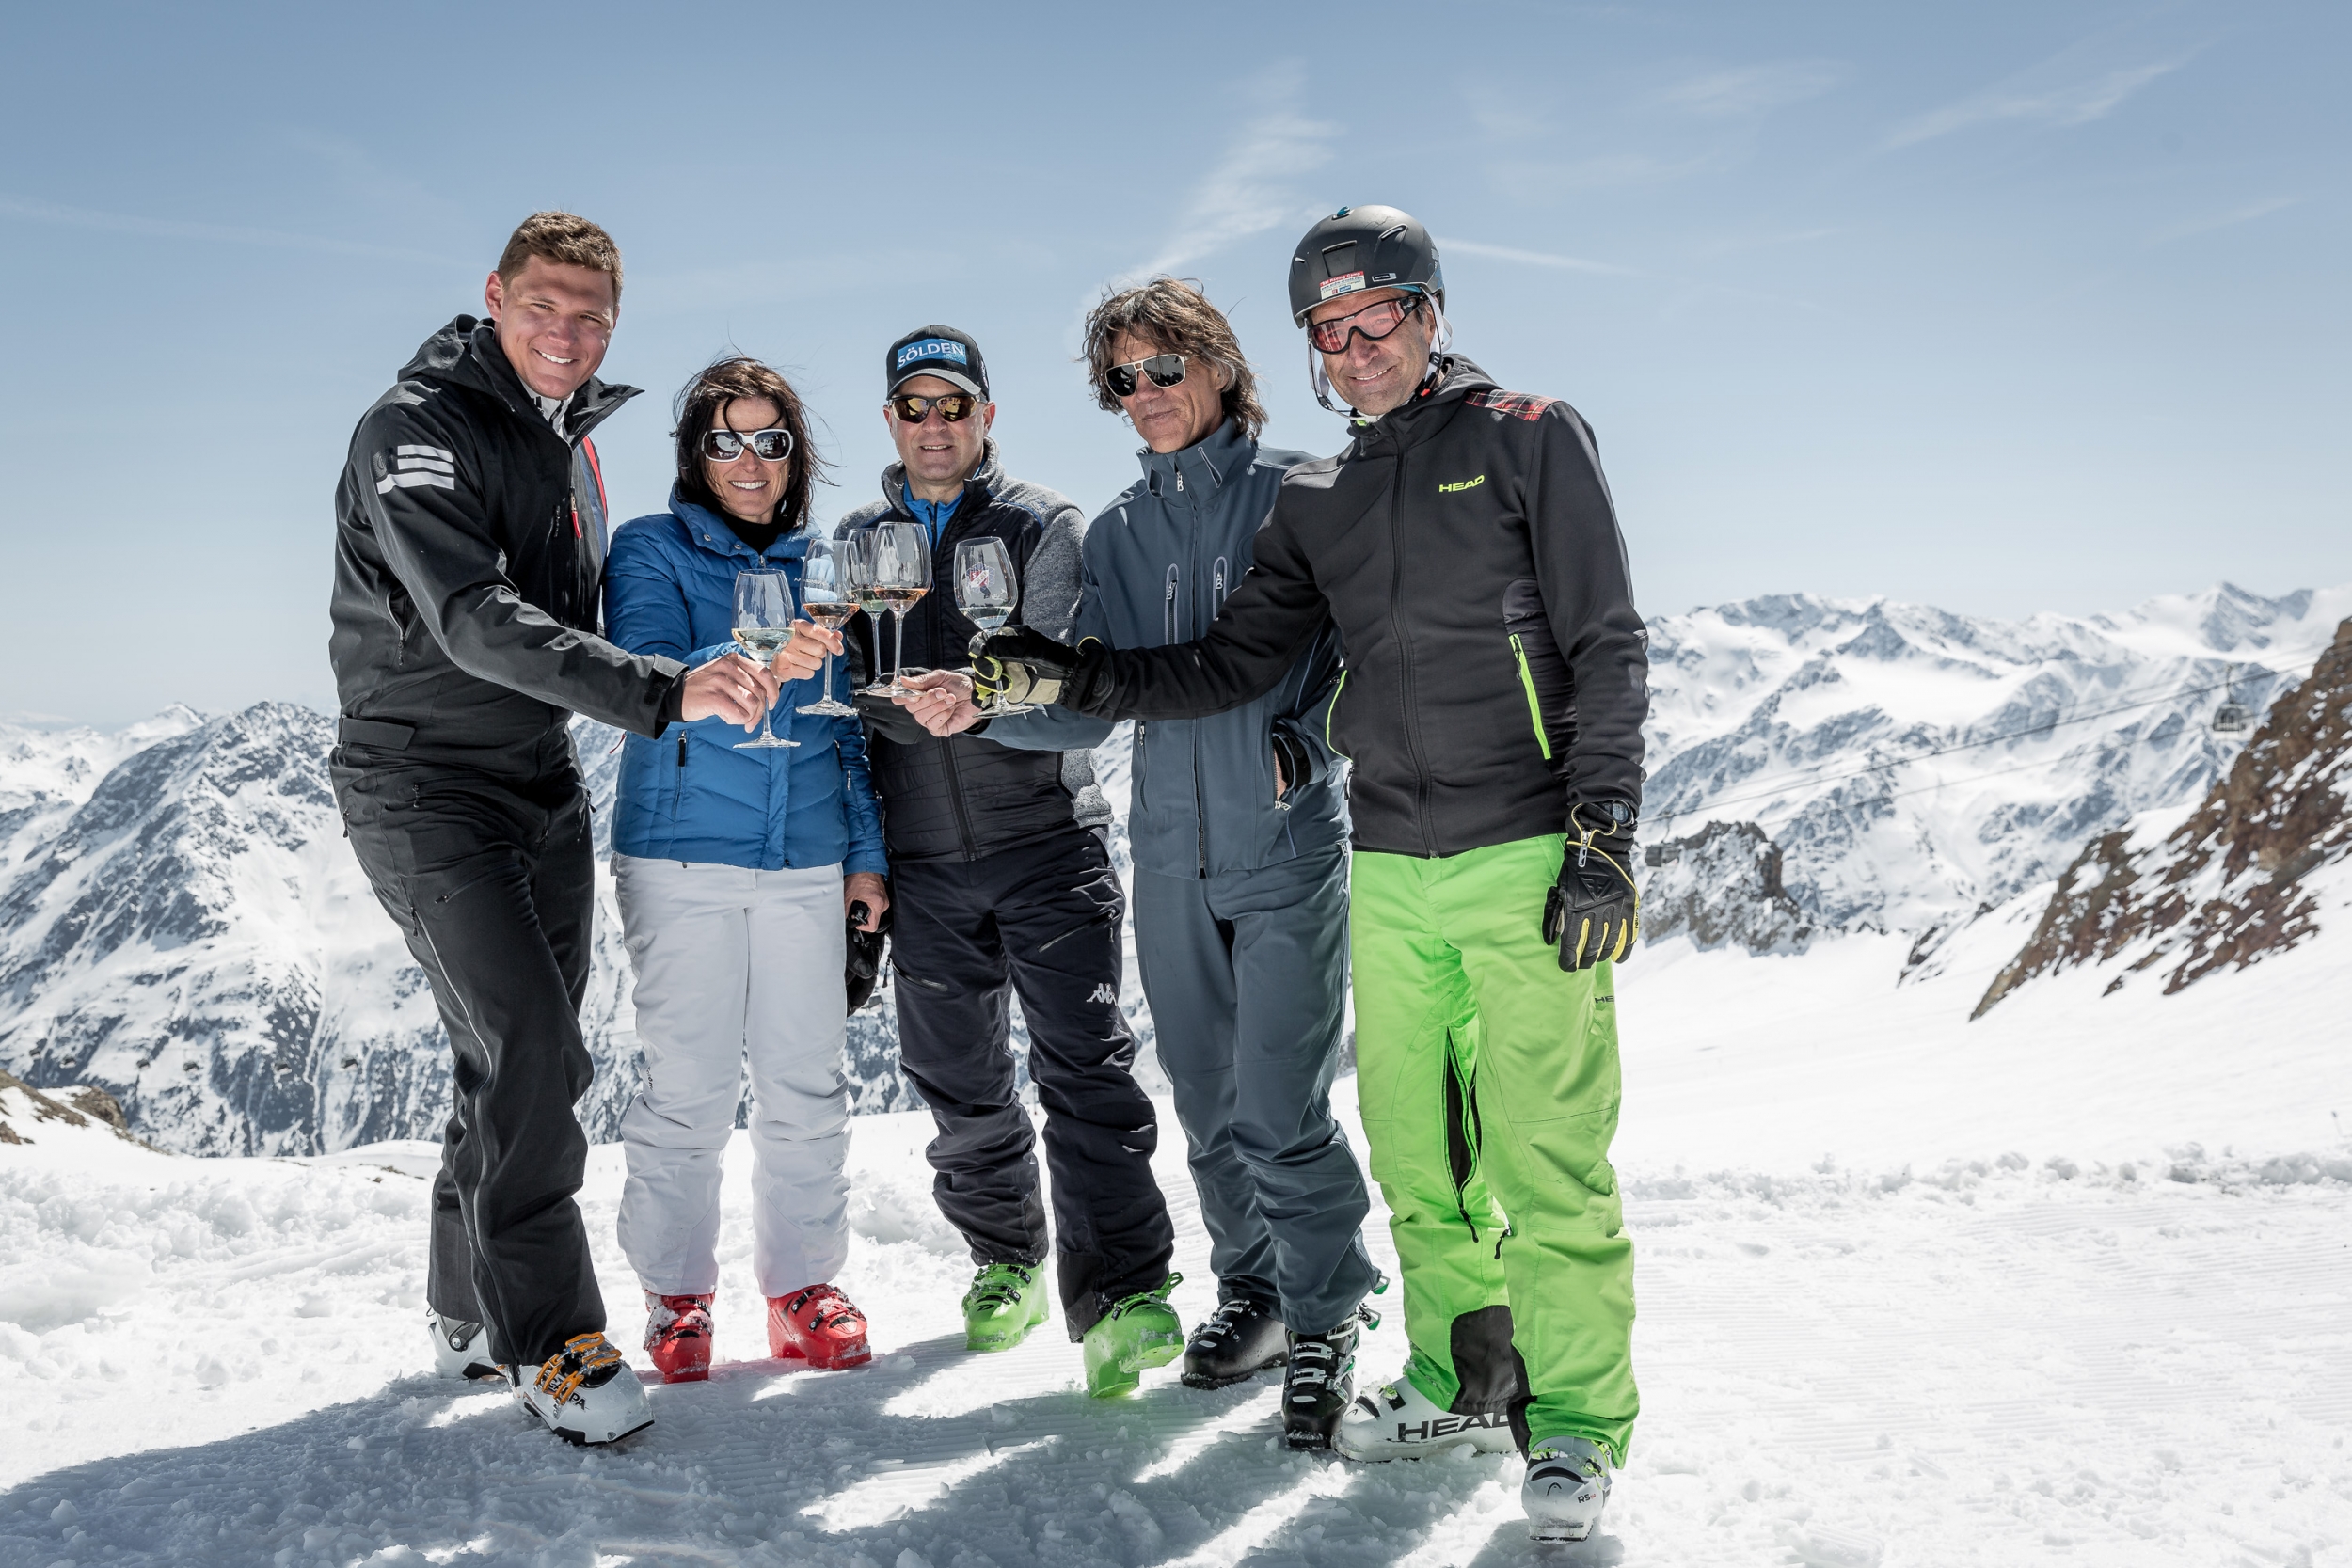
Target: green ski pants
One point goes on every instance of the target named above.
(1488, 1077)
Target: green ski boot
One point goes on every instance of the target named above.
(1141, 1331)
(1005, 1301)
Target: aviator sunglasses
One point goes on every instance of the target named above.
(725, 445)
(1165, 370)
(1375, 322)
(953, 407)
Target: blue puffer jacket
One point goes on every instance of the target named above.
(669, 588)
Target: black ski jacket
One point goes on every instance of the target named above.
(1497, 671)
(965, 796)
(468, 550)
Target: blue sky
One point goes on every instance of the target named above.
(1999, 307)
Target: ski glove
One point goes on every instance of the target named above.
(1019, 665)
(1595, 912)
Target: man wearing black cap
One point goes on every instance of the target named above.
(1003, 884)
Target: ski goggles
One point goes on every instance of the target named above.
(911, 407)
(1165, 370)
(725, 445)
(1375, 322)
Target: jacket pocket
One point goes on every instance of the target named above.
(1545, 680)
(1169, 637)
(1332, 729)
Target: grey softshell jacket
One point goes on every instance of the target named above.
(1467, 547)
(1160, 561)
(469, 555)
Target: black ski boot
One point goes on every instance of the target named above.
(1240, 1338)
(1320, 1380)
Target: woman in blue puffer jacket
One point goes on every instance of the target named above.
(735, 869)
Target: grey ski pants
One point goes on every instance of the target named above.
(736, 965)
(1247, 972)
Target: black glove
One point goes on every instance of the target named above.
(863, 969)
(890, 721)
(1595, 912)
(1019, 665)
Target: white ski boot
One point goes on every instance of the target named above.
(1397, 1421)
(584, 1393)
(1566, 1489)
(460, 1350)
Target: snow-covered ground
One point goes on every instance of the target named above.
(2069, 1284)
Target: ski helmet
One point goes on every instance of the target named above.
(1363, 247)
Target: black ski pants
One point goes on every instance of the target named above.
(493, 884)
(1039, 920)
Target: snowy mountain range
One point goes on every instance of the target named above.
(182, 924)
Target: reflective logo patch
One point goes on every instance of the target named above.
(406, 468)
(1346, 283)
(933, 348)
(1461, 484)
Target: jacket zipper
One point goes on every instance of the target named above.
(1404, 655)
(1534, 707)
(1199, 807)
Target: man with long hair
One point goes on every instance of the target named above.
(1238, 827)
(468, 547)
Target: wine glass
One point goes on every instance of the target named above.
(828, 600)
(902, 575)
(763, 625)
(987, 591)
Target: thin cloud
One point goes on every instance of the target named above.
(1252, 188)
(1753, 90)
(2230, 219)
(1532, 257)
(2026, 98)
(173, 229)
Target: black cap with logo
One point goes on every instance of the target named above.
(939, 351)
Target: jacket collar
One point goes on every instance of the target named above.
(1204, 465)
(987, 480)
(1430, 411)
(708, 531)
(466, 352)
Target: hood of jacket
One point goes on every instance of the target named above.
(466, 352)
(708, 531)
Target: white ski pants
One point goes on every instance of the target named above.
(734, 964)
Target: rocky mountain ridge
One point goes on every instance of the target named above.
(2241, 880)
(182, 925)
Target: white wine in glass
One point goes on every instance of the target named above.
(987, 591)
(902, 575)
(826, 600)
(763, 625)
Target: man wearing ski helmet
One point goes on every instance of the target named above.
(1465, 546)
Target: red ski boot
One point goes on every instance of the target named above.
(820, 1326)
(677, 1336)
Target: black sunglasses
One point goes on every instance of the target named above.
(953, 407)
(1375, 322)
(1165, 370)
(725, 445)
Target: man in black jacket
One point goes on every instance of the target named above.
(1003, 884)
(470, 542)
(1465, 546)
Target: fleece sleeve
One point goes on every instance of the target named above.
(1268, 619)
(1588, 599)
(420, 487)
